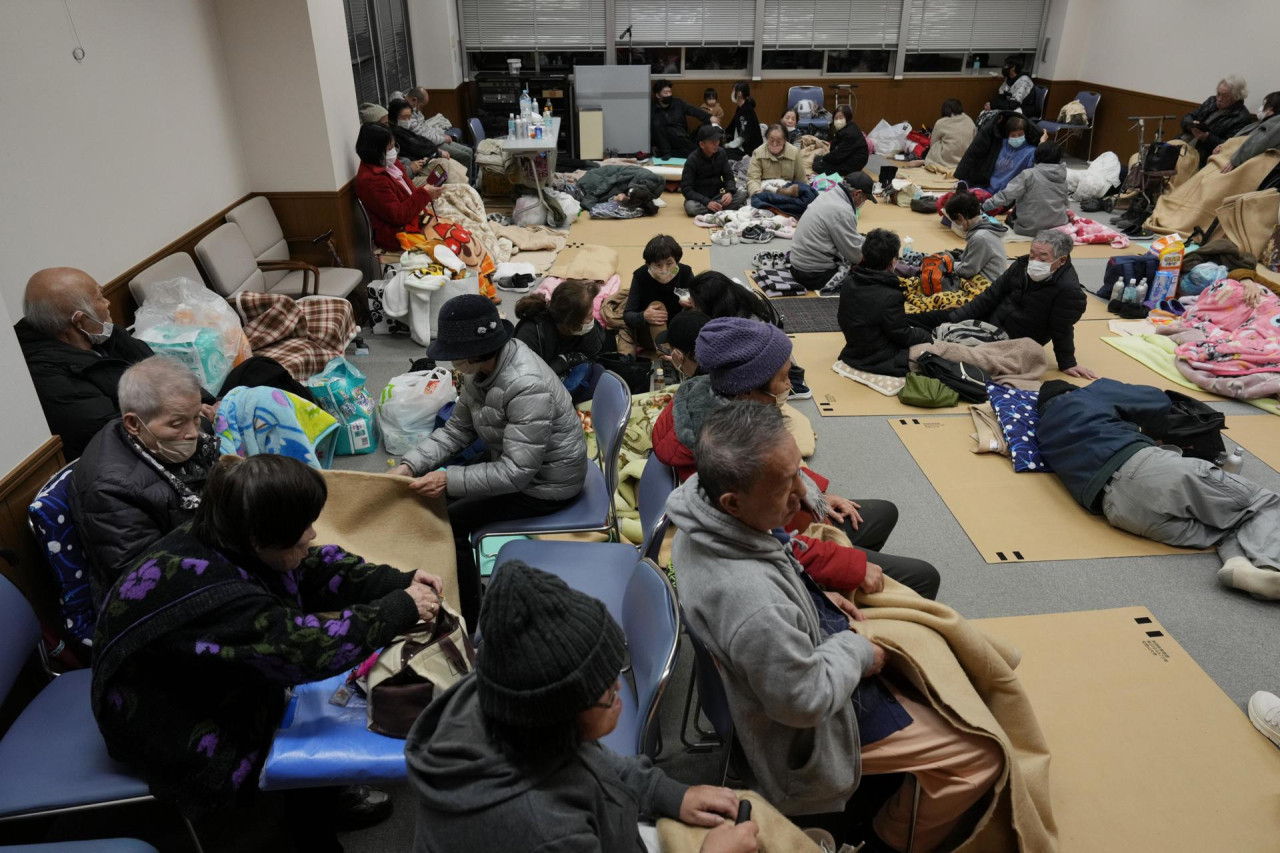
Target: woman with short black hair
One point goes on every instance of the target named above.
(393, 203)
(849, 152)
(744, 127)
(653, 299)
(563, 331)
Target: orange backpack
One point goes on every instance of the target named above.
(934, 270)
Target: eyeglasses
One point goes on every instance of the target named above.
(612, 695)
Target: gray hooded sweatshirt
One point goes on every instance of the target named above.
(983, 251)
(1040, 194)
(827, 234)
(471, 798)
(789, 687)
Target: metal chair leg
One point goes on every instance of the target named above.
(191, 830)
(915, 811)
(707, 740)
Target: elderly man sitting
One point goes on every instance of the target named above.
(1039, 297)
(76, 356)
(807, 705)
(1221, 116)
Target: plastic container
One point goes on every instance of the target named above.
(525, 103)
(511, 125)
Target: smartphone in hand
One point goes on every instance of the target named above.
(437, 176)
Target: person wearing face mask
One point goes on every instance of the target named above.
(1037, 195)
(141, 476)
(849, 152)
(410, 144)
(1039, 297)
(393, 203)
(435, 130)
(749, 360)
(872, 313)
(562, 330)
(744, 127)
(1222, 115)
(510, 398)
(680, 342)
(778, 160)
(669, 122)
(1262, 135)
(827, 241)
(652, 301)
(1017, 92)
(198, 643)
(984, 251)
(1003, 146)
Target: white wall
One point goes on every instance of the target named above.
(337, 86)
(436, 40)
(24, 425)
(106, 161)
(1175, 48)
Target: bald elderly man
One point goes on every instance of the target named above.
(76, 356)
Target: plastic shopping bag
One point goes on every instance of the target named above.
(408, 407)
(183, 302)
(340, 391)
(890, 139)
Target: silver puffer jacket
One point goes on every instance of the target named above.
(528, 422)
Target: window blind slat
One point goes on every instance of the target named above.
(831, 23)
(532, 24)
(963, 25)
(659, 23)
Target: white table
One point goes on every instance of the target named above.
(531, 149)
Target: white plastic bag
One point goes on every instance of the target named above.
(890, 139)
(408, 407)
(568, 204)
(1095, 181)
(529, 211)
(183, 302)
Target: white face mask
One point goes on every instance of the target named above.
(587, 327)
(839, 124)
(959, 230)
(1039, 270)
(391, 156)
(404, 122)
(96, 338)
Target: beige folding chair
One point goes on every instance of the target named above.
(270, 249)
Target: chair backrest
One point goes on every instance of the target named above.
(1042, 95)
(372, 269)
(650, 620)
(1089, 100)
(177, 265)
(477, 131)
(657, 482)
(610, 411)
(19, 634)
(263, 233)
(711, 693)
(796, 94)
(49, 517)
(229, 262)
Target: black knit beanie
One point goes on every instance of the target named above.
(1052, 389)
(548, 652)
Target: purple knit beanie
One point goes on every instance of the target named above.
(741, 355)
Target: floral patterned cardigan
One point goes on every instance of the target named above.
(194, 651)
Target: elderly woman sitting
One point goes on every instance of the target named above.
(142, 474)
(1220, 117)
(197, 645)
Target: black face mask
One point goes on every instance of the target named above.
(666, 102)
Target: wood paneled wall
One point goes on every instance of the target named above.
(17, 489)
(1111, 129)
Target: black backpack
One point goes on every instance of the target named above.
(967, 380)
(1194, 426)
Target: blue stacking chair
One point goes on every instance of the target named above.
(1088, 100)
(53, 757)
(100, 845)
(1042, 95)
(640, 598)
(592, 511)
(477, 136)
(657, 482)
(796, 94)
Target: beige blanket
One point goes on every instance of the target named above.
(531, 238)
(1019, 363)
(929, 177)
(1195, 203)
(810, 147)
(377, 517)
(777, 834)
(594, 263)
(461, 205)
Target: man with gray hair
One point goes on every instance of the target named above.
(435, 129)
(1222, 115)
(1038, 297)
(807, 707)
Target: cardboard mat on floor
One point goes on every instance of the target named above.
(1105, 360)
(1259, 434)
(1148, 755)
(993, 503)
(636, 232)
(631, 258)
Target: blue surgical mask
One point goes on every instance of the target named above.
(1017, 141)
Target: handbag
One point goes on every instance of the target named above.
(414, 669)
(925, 392)
(967, 380)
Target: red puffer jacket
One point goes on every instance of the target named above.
(390, 208)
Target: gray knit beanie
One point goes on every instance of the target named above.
(741, 355)
(371, 113)
(548, 651)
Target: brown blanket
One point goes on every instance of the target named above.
(810, 147)
(1195, 203)
(1019, 363)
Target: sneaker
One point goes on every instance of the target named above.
(830, 290)
(755, 234)
(1264, 713)
(723, 237)
(800, 391)
(361, 806)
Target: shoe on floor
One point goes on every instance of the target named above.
(1264, 713)
(1239, 573)
(800, 391)
(361, 806)
(829, 291)
(823, 839)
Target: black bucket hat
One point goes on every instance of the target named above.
(469, 326)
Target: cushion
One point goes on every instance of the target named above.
(1016, 411)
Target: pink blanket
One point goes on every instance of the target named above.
(1086, 231)
(610, 287)
(1237, 339)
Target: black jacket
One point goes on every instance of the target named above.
(122, 506)
(872, 317)
(1221, 125)
(848, 152)
(562, 353)
(1041, 310)
(77, 388)
(412, 145)
(979, 161)
(645, 290)
(747, 125)
(669, 127)
(704, 178)
(1027, 104)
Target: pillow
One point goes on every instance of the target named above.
(1016, 411)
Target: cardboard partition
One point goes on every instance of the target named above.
(1148, 753)
(1105, 360)
(1259, 434)
(994, 504)
(631, 258)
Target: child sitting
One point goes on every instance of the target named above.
(1038, 195)
(872, 312)
(653, 299)
(983, 247)
(711, 103)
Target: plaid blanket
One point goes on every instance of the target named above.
(302, 335)
(778, 283)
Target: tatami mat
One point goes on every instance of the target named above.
(1148, 754)
(993, 503)
(670, 220)
(1106, 360)
(631, 258)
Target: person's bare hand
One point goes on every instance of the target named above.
(841, 508)
(1080, 372)
(425, 600)
(877, 659)
(708, 805)
(725, 198)
(432, 192)
(1217, 150)
(1228, 168)
(847, 607)
(209, 411)
(401, 470)
(417, 165)
(714, 206)
(1253, 293)
(428, 579)
(732, 838)
(444, 155)
(655, 315)
(873, 580)
(430, 485)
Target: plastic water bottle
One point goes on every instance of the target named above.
(977, 66)
(511, 125)
(1130, 292)
(657, 381)
(1142, 291)
(525, 101)
(546, 110)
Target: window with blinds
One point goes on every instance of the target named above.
(973, 25)
(378, 39)
(831, 23)
(686, 22)
(497, 25)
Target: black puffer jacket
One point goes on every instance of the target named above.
(848, 152)
(979, 161)
(705, 178)
(872, 317)
(412, 145)
(1041, 310)
(122, 506)
(561, 352)
(669, 127)
(1221, 125)
(77, 387)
